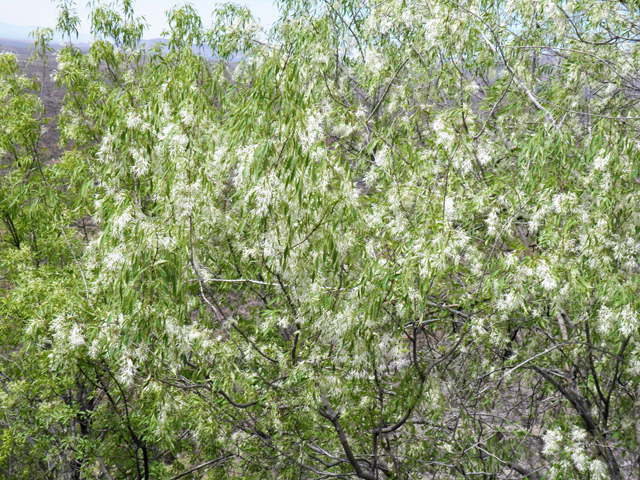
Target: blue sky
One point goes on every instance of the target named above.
(43, 13)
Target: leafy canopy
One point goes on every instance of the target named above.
(392, 239)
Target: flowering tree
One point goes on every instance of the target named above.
(396, 240)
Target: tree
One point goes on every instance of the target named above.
(397, 240)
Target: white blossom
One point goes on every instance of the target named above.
(449, 208)
(120, 222)
(605, 320)
(601, 161)
(484, 155)
(552, 441)
(493, 223)
(133, 121)
(374, 61)
(628, 321)
(382, 157)
(114, 260)
(127, 372)
(141, 162)
(546, 276)
(443, 135)
(598, 470)
(76, 338)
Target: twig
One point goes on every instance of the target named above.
(202, 465)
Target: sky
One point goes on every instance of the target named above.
(43, 13)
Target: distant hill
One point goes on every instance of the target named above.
(17, 32)
(25, 46)
(17, 39)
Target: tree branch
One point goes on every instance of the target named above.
(330, 415)
(202, 465)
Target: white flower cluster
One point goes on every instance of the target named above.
(76, 337)
(141, 162)
(493, 223)
(444, 136)
(374, 61)
(450, 209)
(601, 161)
(187, 116)
(538, 217)
(558, 445)
(509, 302)
(382, 157)
(484, 154)
(625, 319)
(127, 372)
(66, 332)
(314, 130)
(121, 222)
(134, 121)
(546, 277)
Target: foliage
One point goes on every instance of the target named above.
(396, 240)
